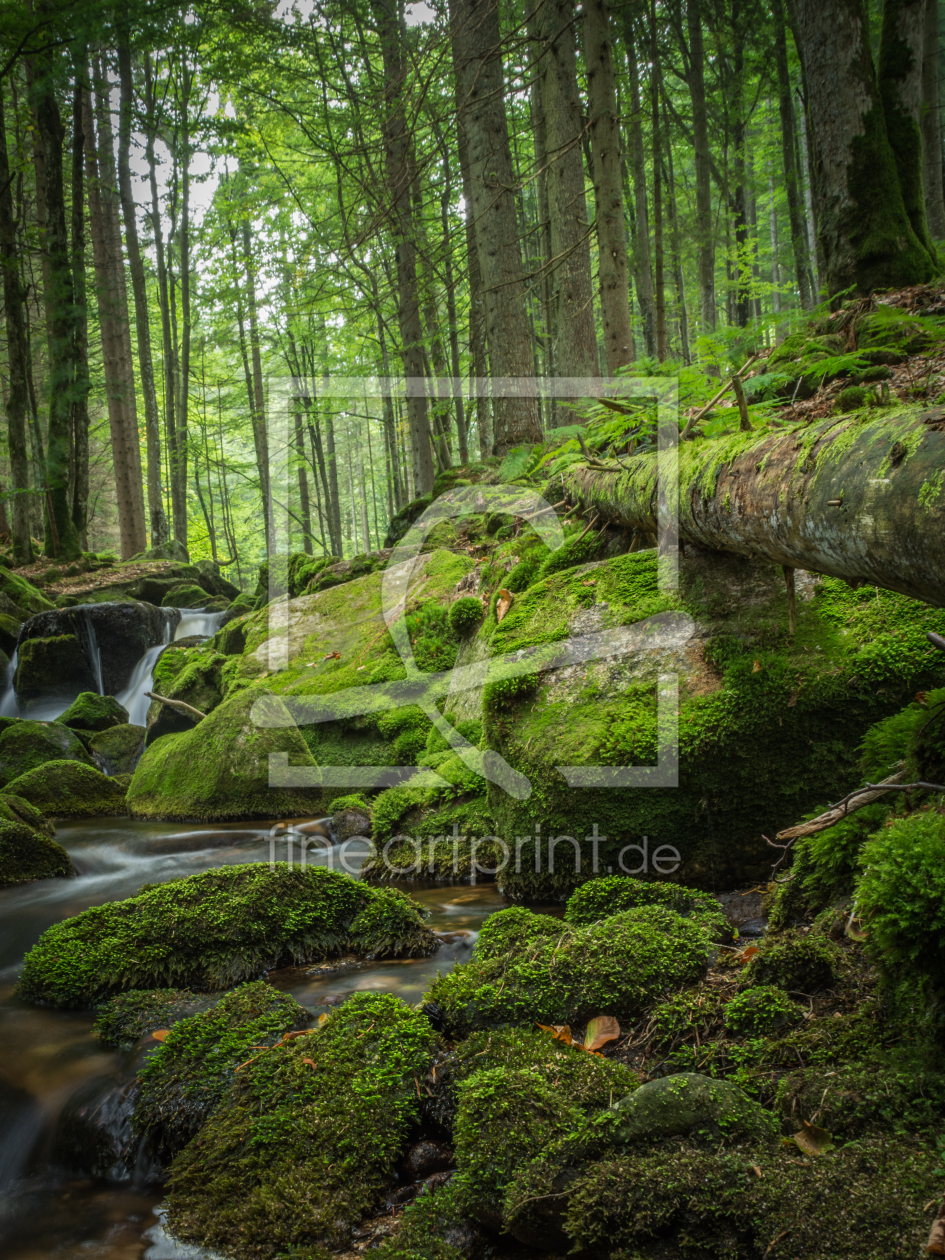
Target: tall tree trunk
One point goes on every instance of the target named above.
(818, 267)
(641, 235)
(659, 284)
(62, 536)
(474, 31)
(799, 242)
(399, 164)
(80, 400)
(139, 287)
(868, 240)
(331, 451)
(608, 193)
(901, 55)
(705, 234)
(446, 198)
(478, 362)
(260, 436)
(304, 508)
(683, 313)
(739, 199)
(932, 125)
(576, 351)
(17, 404)
(183, 392)
(540, 146)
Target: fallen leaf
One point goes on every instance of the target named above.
(813, 1140)
(748, 954)
(560, 1032)
(503, 604)
(332, 656)
(160, 1033)
(321, 1019)
(921, 696)
(756, 1170)
(360, 667)
(936, 1243)
(310, 1062)
(601, 1030)
(756, 668)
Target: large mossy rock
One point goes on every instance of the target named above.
(688, 1102)
(118, 749)
(191, 674)
(600, 898)
(212, 930)
(219, 769)
(24, 598)
(185, 595)
(26, 745)
(91, 712)
(614, 967)
(294, 1156)
(52, 668)
(27, 848)
(70, 789)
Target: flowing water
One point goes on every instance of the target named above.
(47, 1057)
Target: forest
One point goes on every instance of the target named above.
(472, 720)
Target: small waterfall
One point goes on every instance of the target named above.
(133, 697)
(196, 621)
(8, 705)
(90, 642)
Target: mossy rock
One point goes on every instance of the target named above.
(796, 961)
(761, 1011)
(185, 596)
(210, 931)
(193, 675)
(513, 930)
(123, 1020)
(303, 1148)
(119, 748)
(51, 668)
(220, 768)
(611, 894)
(69, 789)
(196, 1066)
(852, 398)
(243, 603)
(92, 712)
(26, 745)
(688, 1102)
(26, 853)
(615, 967)
(9, 633)
(23, 593)
(231, 638)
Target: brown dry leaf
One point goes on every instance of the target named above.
(321, 1019)
(332, 656)
(756, 1170)
(936, 1243)
(310, 1062)
(160, 1033)
(756, 668)
(601, 1030)
(813, 1140)
(503, 604)
(560, 1032)
(748, 954)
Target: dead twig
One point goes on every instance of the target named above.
(179, 705)
(694, 420)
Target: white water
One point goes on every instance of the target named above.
(8, 700)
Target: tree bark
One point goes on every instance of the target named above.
(799, 241)
(932, 125)
(474, 31)
(183, 395)
(833, 503)
(868, 240)
(641, 235)
(606, 158)
(260, 436)
(659, 279)
(80, 400)
(17, 405)
(705, 235)
(901, 56)
(478, 360)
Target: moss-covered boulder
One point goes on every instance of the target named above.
(25, 745)
(797, 961)
(9, 633)
(27, 852)
(118, 749)
(52, 668)
(210, 931)
(611, 894)
(193, 675)
(186, 595)
(220, 769)
(22, 593)
(92, 712)
(70, 789)
(196, 1066)
(124, 1019)
(688, 1102)
(615, 967)
(309, 1138)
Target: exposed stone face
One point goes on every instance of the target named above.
(687, 1102)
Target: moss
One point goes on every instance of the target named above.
(51, 666)
(220, 769)
(308, 1138)
(612, 894)
(185, 596)
(27, 745)
(760, 1011)
(794, 961)
(615, 967)
(9, 633)
(92, 712)
(23, 593)
(465, 615)
(207, 931)
(69, 789)
(26, 853)
(513, 930)
(119, 748)
(389, 927)
(691, 1103)
(430, 1225)
(354, 800)
(196, 1066)
(852, 398)
(124, 1019)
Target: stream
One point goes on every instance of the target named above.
(46, 1056)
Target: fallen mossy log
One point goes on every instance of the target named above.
(853, 497)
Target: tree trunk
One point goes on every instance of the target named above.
(139, 287)
(62, 537)
(781, 500)
(678, 275)
(399, 168)
(14, 297)
(641, 236)
(901, 56)
(576, 352)
(478, 362)
(260, 436)
(932, 125)
(705, 234)
(799, 242)
(183, 394)
(304, 508)
(608, 193)
(540, 146)
(474, 29)
(80, 400)
(659, 279)
(867, 238)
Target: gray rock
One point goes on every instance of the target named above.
(691, 1103)
(350, 822)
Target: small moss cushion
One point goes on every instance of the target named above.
(68, 789)
(688, 1102)
(91, 712)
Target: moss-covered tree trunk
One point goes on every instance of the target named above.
(932, 126)
(900, 84)
(867, 238)
(861, 501)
